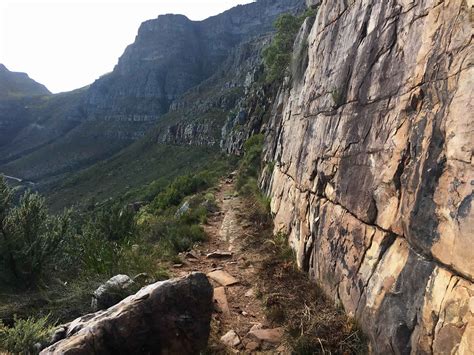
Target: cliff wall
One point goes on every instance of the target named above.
(372, 148)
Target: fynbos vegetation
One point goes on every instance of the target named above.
(277, 56)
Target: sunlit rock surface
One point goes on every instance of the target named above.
(374, 175)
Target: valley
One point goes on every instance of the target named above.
(317, 154)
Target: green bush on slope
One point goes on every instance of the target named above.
(30, 238)
(277, 56)
(22, 337)
(247, 181)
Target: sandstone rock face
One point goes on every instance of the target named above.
(169, 317)
(374, 176)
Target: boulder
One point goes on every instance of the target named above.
(112, 292)
(168, 317)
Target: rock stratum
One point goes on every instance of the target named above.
(168, 317)
(372, 148)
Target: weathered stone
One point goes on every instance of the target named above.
(184, 208)
(222, 277)
(269, 335)
(252, 345)
(221, 299)
(219, 254)
(168, 317)
(112, 292)
(249, 293)
(372, 149)
(230, 339)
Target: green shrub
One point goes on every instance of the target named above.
(181, 187)
(22, 337)
(31, 240)
(250, 164)
(114, 223)
(176, 235)
(277, 56)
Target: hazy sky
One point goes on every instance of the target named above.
(67, 44)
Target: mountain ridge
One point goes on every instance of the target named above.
(19, 84)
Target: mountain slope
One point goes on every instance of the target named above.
(170, 56)
(14, 85)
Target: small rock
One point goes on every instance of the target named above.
(183, 209)
(250, 293)
(221, 299)
(112, 292)
(219, 254)
(177, 266)
(222, 277)
(252, 346)
(230, 339)
(245, 314)
(269, 335)
(191, 255)
(256, 326)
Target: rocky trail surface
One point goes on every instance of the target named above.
(239, 323)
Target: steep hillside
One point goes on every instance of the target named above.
(185, 139)
(14, 85)
(170, 55)
(372, 149)
(17, 90)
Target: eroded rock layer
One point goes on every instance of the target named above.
(373, 180)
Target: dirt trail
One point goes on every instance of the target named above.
(237, 307)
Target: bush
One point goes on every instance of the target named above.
(175, 235)
(277, 56)
(181, 187)
(31, 240)
(250, 164)
(22, 337)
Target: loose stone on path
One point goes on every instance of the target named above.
(222, 277)
(221, 299)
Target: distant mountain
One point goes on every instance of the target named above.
(14, 85)
(171, 56)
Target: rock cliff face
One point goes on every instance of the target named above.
(374, 174)
(172, 54)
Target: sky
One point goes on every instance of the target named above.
(67, 44)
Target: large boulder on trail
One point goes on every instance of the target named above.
(168, 317)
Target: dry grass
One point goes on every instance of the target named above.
(313, 324)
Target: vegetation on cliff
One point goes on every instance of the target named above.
(277, 56)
